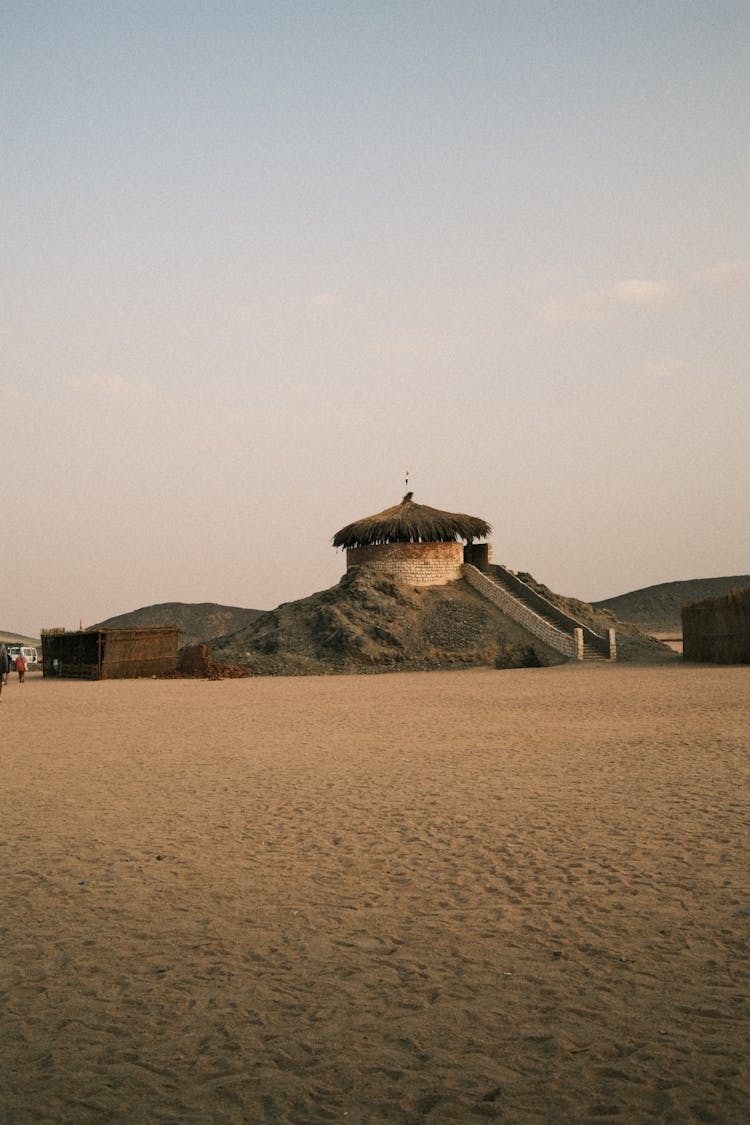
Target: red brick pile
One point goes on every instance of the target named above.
(196, 662)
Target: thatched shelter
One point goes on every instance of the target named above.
(717, 630)
(408, 522)
(109, 654)
(421, 544)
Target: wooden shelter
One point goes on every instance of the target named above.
(717, 630)
(418, 543)
(109, 654)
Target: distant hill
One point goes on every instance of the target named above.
(18, 639)
(199, 623)
(658, 609)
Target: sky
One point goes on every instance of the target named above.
(260, 260)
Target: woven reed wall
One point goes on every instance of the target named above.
(70, 656)
(130, 653)
(717, 630)
(109, 654)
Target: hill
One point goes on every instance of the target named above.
(658, 609)
(198, 622)
(18, 639)
(370, 622)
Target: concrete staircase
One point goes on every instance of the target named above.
(538, 616)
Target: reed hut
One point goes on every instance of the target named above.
(717, 630)
(109, 654)
(421, 545)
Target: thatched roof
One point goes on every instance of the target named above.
(408, 522)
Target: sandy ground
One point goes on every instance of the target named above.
(673, 640)
(447, 897)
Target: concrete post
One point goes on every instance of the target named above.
(612, 644)
(578, 635)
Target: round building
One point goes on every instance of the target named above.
(418, 544)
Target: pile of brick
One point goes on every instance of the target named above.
(196, 662)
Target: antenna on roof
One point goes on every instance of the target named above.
(408, 495)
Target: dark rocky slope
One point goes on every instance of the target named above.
(198, 622)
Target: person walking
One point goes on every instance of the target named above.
(4, 668)
(20, 667)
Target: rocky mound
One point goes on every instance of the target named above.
(370, 622)
(198, 622)
(658, 609)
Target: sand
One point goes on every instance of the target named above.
(446, 897)
(673, 640)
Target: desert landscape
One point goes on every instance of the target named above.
(366, 624)
(474, 895)
(375, 399)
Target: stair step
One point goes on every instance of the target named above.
(589, 652)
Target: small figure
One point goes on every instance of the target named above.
(20, 667)
(4, 667)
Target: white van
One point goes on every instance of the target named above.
(28, 652)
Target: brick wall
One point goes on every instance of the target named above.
(419, 564)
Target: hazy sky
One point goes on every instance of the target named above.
(259, 259)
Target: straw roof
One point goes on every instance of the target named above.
(408, 522)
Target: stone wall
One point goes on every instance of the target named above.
(517, 611)
(419, 564)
